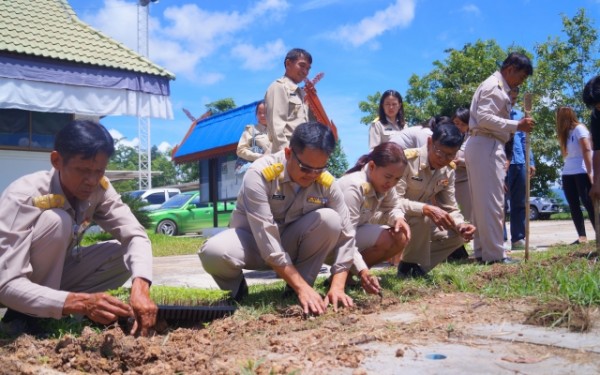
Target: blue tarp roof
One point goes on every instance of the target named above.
(216, 135)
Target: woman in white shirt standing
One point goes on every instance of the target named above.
(575, 146)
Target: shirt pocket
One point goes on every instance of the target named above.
(294, 106)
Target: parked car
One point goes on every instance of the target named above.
(154, 197)
(184, 213)
(540, 208)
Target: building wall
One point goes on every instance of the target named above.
(14, 164)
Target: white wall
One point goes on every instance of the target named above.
(14, 164)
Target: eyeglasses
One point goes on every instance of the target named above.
(443, 154)
(305, 169)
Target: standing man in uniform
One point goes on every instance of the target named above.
(284, 99)
(44, 271)
(591, 98)
(491, 127)
(290, 215)
(437, 229)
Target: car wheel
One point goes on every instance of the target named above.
(534, 214)
(167, 227)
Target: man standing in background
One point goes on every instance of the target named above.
(485, 158)
(284, 99)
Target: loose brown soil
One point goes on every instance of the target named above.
(280, 343)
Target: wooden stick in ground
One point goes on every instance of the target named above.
(597, 223)
(527, 109)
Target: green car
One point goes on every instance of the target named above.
(184, 213)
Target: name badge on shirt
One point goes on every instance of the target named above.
(416, 178)
(278, 197)
(317, 200)
(443, 182)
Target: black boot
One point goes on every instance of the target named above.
(458, 254)
(410, 270)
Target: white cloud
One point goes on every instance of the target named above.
(399, 14)
(471, 8)
(164, 147)
(121, 140)
(259, 58)
(188, 34)
(316, 4)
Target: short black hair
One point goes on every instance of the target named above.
(447, 134)
(313, 135)
(83, 137)
(519, 61)
(591, 92)
(296, 53)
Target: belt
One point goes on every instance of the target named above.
(476, 133)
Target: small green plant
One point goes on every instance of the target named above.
(177, 296)
(251, 366)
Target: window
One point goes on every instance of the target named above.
(30, 130)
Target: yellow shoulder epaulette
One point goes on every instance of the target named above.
(375, 119)
(366, 187)
(105, 183)
(411, 153)
(272, 171)
(325, 179)
(48, 201)
(452, 165)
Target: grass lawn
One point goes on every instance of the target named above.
(161, 245)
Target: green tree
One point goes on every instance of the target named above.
(370, 107)
(338, 163)
(161, 162)
(452, 82)
(563, 66)
(221, 105)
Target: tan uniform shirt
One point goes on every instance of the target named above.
(257, 135)
(286, 110)
(412, 137)
(18, 216)
(363, 202)
(379, 133)
(266, 208)
(461, 167)
(421, 185)
(490, 109)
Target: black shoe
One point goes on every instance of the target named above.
(458, 254)
(410, 270)
(15, 323)
(576, 242)
(242, 291)
(506, 260)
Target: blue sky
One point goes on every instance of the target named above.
(220, 48)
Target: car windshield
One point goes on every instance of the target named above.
(176, 201)
(134, 194)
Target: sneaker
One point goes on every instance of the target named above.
(410, 271)
(520, 245)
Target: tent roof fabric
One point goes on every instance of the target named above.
(215, 135)
(51, 29)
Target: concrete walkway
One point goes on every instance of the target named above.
(186, 270)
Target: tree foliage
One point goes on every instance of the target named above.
(221, 105)
(338, 163)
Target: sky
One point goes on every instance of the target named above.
(219, 48)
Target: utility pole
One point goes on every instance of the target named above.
(144, 146)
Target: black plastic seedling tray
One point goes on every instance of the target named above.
(194, 314)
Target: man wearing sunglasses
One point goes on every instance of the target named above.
(426, 191)
(290, 216)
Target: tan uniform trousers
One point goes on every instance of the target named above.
(486, 162)
(463, 198)
(428, 245)
(308, 241)
(87, 269)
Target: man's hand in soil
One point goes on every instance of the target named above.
(311, 301)
(370, 283)
(144, 309)
(336, 292)
(99, 307)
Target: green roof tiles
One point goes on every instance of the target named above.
(50, 29)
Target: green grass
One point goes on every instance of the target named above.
(177, 296)
(161, 245)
